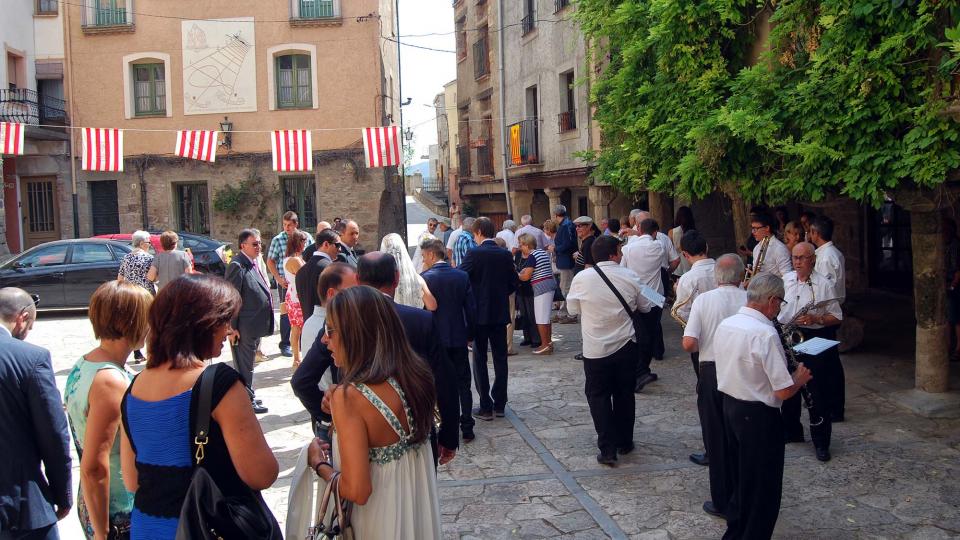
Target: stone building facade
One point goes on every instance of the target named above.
(321, 65)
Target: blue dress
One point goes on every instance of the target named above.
(161, 437)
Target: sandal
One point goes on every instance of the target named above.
(545, 350)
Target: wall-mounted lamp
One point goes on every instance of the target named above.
(408, 134)
(226, 127)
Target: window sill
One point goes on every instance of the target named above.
(528, 36)
(161, 114)
(318, 22)
(569, 134)
(109, 29)
(46, 15)
(483, 78)
(294, 108)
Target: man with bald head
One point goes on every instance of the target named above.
(379, 270)
(33, 430)
(805, 287)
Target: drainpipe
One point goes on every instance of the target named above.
(503, 119)
(73, 139)
(141, 170)
(403, 169)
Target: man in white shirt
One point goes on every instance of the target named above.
(509, 236)
(830, 263)
(645, 256)
(429, 233)
(696, 281)
(708, 310)
(776, 258)
(526, 222)
(752, 374)
(609, 346)
(806, 289)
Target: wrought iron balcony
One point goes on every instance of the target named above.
(560, 4)
(435, 185)
(463, 160)
(481, 58)
(485, 160)
(29, 107)
(528, 23)
(524, 142)
(96, 14)
(567, 121)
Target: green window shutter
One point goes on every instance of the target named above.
(149, 90)
(293, 82)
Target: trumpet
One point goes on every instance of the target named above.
(675, 310)
(757, 264)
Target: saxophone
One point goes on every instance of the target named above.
(791, 335)
(675, 310)
(757, 264)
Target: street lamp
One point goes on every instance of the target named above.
(226, 127)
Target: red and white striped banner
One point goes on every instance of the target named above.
(381, 146)
(292, 150)
(200, 145)
(11, 138)
(102, 149)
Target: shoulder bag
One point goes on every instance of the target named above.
(331, 522)
(209, 514)
(636, 317)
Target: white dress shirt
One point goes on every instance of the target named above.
(452, 241)
(752, 365)
(831, 264)
(311, 329)
(509, 238)
(604, 324)
(645, 256)
(777, 259)
(706, 314)
(536, 233)
(699, 279)
(798, 294)
(668, 248)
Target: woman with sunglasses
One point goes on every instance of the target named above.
(135, 268)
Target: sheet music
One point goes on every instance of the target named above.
(815, 346)
(652, 295)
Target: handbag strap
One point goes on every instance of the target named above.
(626, 307)
(201, 428)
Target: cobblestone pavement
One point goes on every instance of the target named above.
(533, 474)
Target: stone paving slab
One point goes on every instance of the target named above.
(533, 474)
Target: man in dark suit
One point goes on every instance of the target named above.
(326, 251)
(379, 270)
(349, 238)
(255, 319)
(33, 430)
(454, 321)
(494, 279)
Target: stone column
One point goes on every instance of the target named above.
(554, 195)
(522, 204)
(600, 197)
(929, 294)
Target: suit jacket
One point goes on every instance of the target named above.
(456, 311)
(33, 430)
(494, 279)
(306, 281)
(565, 244)
(347, 255)
(255, 319)
(418, 325)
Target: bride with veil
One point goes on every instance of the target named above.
(412, 289)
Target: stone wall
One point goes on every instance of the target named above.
(345, 188)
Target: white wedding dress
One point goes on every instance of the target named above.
(404, 503)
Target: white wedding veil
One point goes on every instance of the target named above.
(409, 291)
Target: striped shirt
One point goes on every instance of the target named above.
(542, 279)
(278, 247)
(464, 243)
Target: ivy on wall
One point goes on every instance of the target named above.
(848, 97)
(250, 201)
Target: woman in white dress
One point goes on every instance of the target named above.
(412, 290)
(382, 414)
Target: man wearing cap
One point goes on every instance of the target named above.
(583, 258)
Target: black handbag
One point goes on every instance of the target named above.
(208, 514)
(637, 317)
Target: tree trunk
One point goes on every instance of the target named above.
(741, 215)
(929, 296)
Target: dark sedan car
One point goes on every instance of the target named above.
(206, 253)
(64, 273)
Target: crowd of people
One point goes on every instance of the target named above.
(381, 345)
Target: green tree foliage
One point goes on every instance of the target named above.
(848, 98)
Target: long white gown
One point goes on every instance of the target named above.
(404, 503)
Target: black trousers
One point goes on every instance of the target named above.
(710, 407)
(658, 347)
(645, 349)
(819, 414)
(461, 369)
(244, 355)
(609, 391)
(530, 333)
(284, 320)
(695, 360)
(496, 335)
(755, 460)
(835, 378)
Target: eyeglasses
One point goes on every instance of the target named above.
(328, 331)
(257, 243)
(582, 225)
(752, 228)
(36, 300)
(783, 302)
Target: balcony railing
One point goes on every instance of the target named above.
(524, 142)
(481, 58)
(485, 160)
(463, 160)
(313, 9)
(528, 23)
(567, 121)
(28, 107)
(435, 185)
(106, 13)
(560, 4)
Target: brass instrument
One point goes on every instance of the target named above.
(757, 264)
(790, 335)
(675, 310)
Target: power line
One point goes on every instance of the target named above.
(360, 18)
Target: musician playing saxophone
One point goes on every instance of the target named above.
(699, 279)
(805, 292)
(776, 256)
